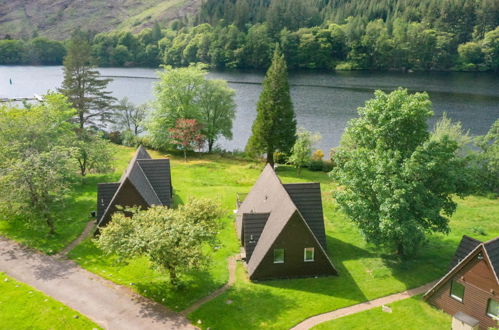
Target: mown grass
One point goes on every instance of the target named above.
(22, 307)
(407, 314)
(366, 272)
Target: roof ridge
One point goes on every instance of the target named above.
(148, 182)
(296, 209)
(491, 240)
(476, 240)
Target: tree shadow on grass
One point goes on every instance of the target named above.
(194, 286)
(430, 262)
(243, 307)
(343, 285)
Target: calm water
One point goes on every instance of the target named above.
(323, 102)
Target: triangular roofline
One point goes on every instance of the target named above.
(296, 210)
(124, 178)
(460, 265)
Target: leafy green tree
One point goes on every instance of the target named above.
(302, 149)
(397, 182)
(174, 240)
(92, 153)
(36, 163)
(83, 86)
(471, 53)
(488, 159)
(45, 51)
(34, 184)
(186, 93)
(454, 131)
(217, 111)
(274, 128)
(130, 117)
(12, 52)
(491, 49)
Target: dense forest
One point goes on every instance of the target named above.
(313, 34)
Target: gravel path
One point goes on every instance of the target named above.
(109, 305)
(231, 265)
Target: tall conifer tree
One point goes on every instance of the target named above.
(82, 84)
(274, 128)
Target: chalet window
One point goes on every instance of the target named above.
(278, 256)
(493, 309)
(457, 291)
(308, 254)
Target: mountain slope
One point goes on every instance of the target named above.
(57, 18)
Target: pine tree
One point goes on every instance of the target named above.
(82, 84)
(275, 125)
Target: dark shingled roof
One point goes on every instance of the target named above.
(105, 192)
(150, 177)
(492, 248)
(467, 250)
(269, 195)
(253, 224)
(307, 198)
(466, 245)
(158, 173)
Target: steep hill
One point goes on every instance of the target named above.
(57, 18)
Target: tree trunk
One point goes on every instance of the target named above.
(173, 276)
(270, 157)
(50, 224)
(210, 145)
(185, 155)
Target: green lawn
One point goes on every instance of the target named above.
(22, 307)
(407, 314)
(366, 272)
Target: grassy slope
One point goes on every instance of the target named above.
(22, 307)
(406, 314)
(58, 20)
(366, 272)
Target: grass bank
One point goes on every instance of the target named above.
(22, 307)
(408, 314)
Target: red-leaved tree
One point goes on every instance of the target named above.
(187, 135)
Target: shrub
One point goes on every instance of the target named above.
(318, 155)
(280, 157)
(327, 166)
(316, 165)
(114, 137)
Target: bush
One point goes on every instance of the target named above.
(344, 66)
(327, 166)
(280, 157)
(114, 137)
(318, 155)
(316, 165)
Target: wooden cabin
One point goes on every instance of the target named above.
(470, 290)
(281, 229)
(146, 182)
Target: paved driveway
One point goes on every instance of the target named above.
(107, 304)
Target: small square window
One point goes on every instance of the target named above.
(308, 254)
(278, 256)
(493, 309)
(457, 291)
